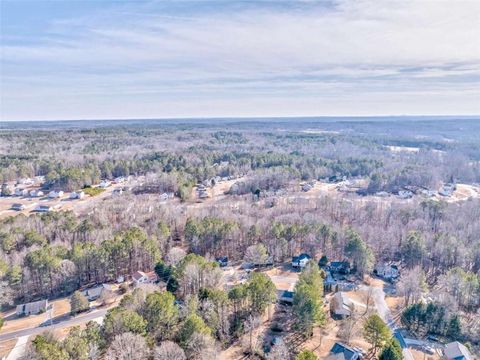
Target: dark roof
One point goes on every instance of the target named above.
(348, 353)
(338, 264)
(397, 335)
(300, 257)
(222, 259)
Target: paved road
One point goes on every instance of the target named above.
(19, 349)
(384, 312)
(93, 315)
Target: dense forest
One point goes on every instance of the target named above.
(436, 243)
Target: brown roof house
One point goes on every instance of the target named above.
(141, 277)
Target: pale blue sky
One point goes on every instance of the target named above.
(99, 59)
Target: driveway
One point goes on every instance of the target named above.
(378, 295)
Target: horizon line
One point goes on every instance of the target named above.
(252, 117)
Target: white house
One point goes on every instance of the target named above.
(55, 194)
(36, 193)
(26, 181)
(104, 184)
(387, 271)
(141, 277)
(32, 308)
(21, 192)
(405, 194)
(95, 292)
(300, 261)
(77, 195)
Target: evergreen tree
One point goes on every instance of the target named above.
(307, 301)
(161, 314)
(376, 332)
(261, 292)
(193, 324)
(391, 351)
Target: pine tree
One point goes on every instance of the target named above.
(376, 332)
(391, 351)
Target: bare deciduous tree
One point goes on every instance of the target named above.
(168, 350)
(128, 346)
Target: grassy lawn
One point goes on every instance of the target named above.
(93, 191)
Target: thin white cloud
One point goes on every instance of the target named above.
(385, 50)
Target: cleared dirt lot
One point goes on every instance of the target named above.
(61, 307)
(6, 347)
(283, 277)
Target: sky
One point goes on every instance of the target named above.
(105, 59)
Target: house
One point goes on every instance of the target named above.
(405, 194)
(164, 197)
(301, 260)
(77, 195)
(32, 308)
(141, 277)
(340, 267)
(285, 296)
(55, 194)
(307, 187)
(25, 181)
(340, 351)
(18, 207)
(46, 208)
(387, 271)
(427, 193)
(21, 192)
(447, 190)
(104, 184)
(222, 261)
(36, 193)
(6, 190)
(341, 306)
(95, 292)
(456, 351)
(203, 194)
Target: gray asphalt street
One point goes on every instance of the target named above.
(60, 325)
